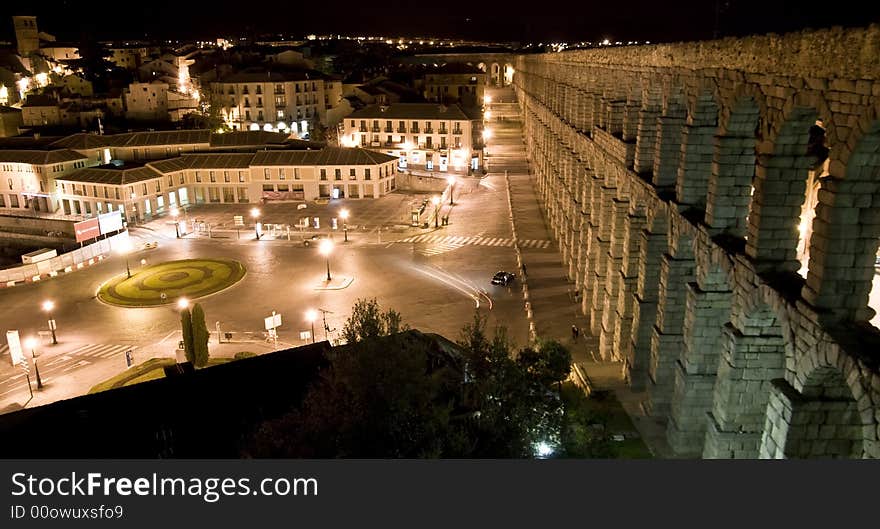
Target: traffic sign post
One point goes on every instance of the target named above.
(272, 322)
(52, 328)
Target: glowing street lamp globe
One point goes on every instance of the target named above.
(48, 305)
(182, 303)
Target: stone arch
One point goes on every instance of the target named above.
(846, 235)
(753, 355)
(780, 185)
(670, 123)
(821, 421)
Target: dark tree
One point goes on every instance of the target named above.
(200, 336)
(368, 321)
(187, 332)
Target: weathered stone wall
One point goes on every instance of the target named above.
(673, 177)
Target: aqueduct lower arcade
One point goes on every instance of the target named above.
(717, 205)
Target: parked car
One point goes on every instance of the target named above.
(151, 245)
(503, 278)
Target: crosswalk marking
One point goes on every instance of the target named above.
(476, 241)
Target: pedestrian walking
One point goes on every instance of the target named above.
(574, 332)
(524, 270)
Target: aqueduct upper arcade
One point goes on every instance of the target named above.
(718, 207)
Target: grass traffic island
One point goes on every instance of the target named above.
(151, 369)
(190, 278)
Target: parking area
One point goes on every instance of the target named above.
(388, 212)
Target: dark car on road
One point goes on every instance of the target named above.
(503, 278)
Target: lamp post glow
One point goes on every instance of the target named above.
(436, 201)
(48, 305)
(311, 316)
(182, 303)
(31, 343)
(174, 213)
(125, 248)
(255, 213)
(326, 248)
(451, 182)
(344, 215)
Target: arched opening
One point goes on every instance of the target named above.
(508, 74)
(777, 208)
(842, 273)
(815, 148)
(753, 355)
(820, 422)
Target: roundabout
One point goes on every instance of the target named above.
(164, 283)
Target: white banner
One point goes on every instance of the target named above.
(14, 347)
(110, 222)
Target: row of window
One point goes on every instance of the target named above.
(279, 101)
(97, 191)
(279, 88)
(414, 128)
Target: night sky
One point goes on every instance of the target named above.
(655, 20)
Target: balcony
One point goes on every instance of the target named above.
(415, 130)
(389, 129)
(375, 144)
(279, 92)
(429, 131)
(443, 131)
(375, 129)
(456, 131)
(362, 128)
(401, 130)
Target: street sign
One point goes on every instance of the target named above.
(14, 347)
(26, 367)
(238, 219)
(305, 335)
(273, 321)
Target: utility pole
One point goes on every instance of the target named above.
(324, 313)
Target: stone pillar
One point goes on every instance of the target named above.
(742, 391)
(667, 156)
(614, 116)
(613, 283)
(629, 273)
(600, 258)
(667, 338)
(697, 148)
(645, 310)
(730, 185)
(631, 121)
(646, 140)
(705, 315)
(780, 187)
(802, 427)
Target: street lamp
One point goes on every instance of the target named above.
(182, 304)
(311, 316)
(48, 305)
(31, 343)
(436, 201)
(344, 215)
(487, 134)
(451, 181)
(487, 100)
(125, 248)
(326, 248)
(174, 213)
(255, 213)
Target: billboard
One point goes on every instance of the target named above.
(14, 343)
(87, 229)
(110, 222)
